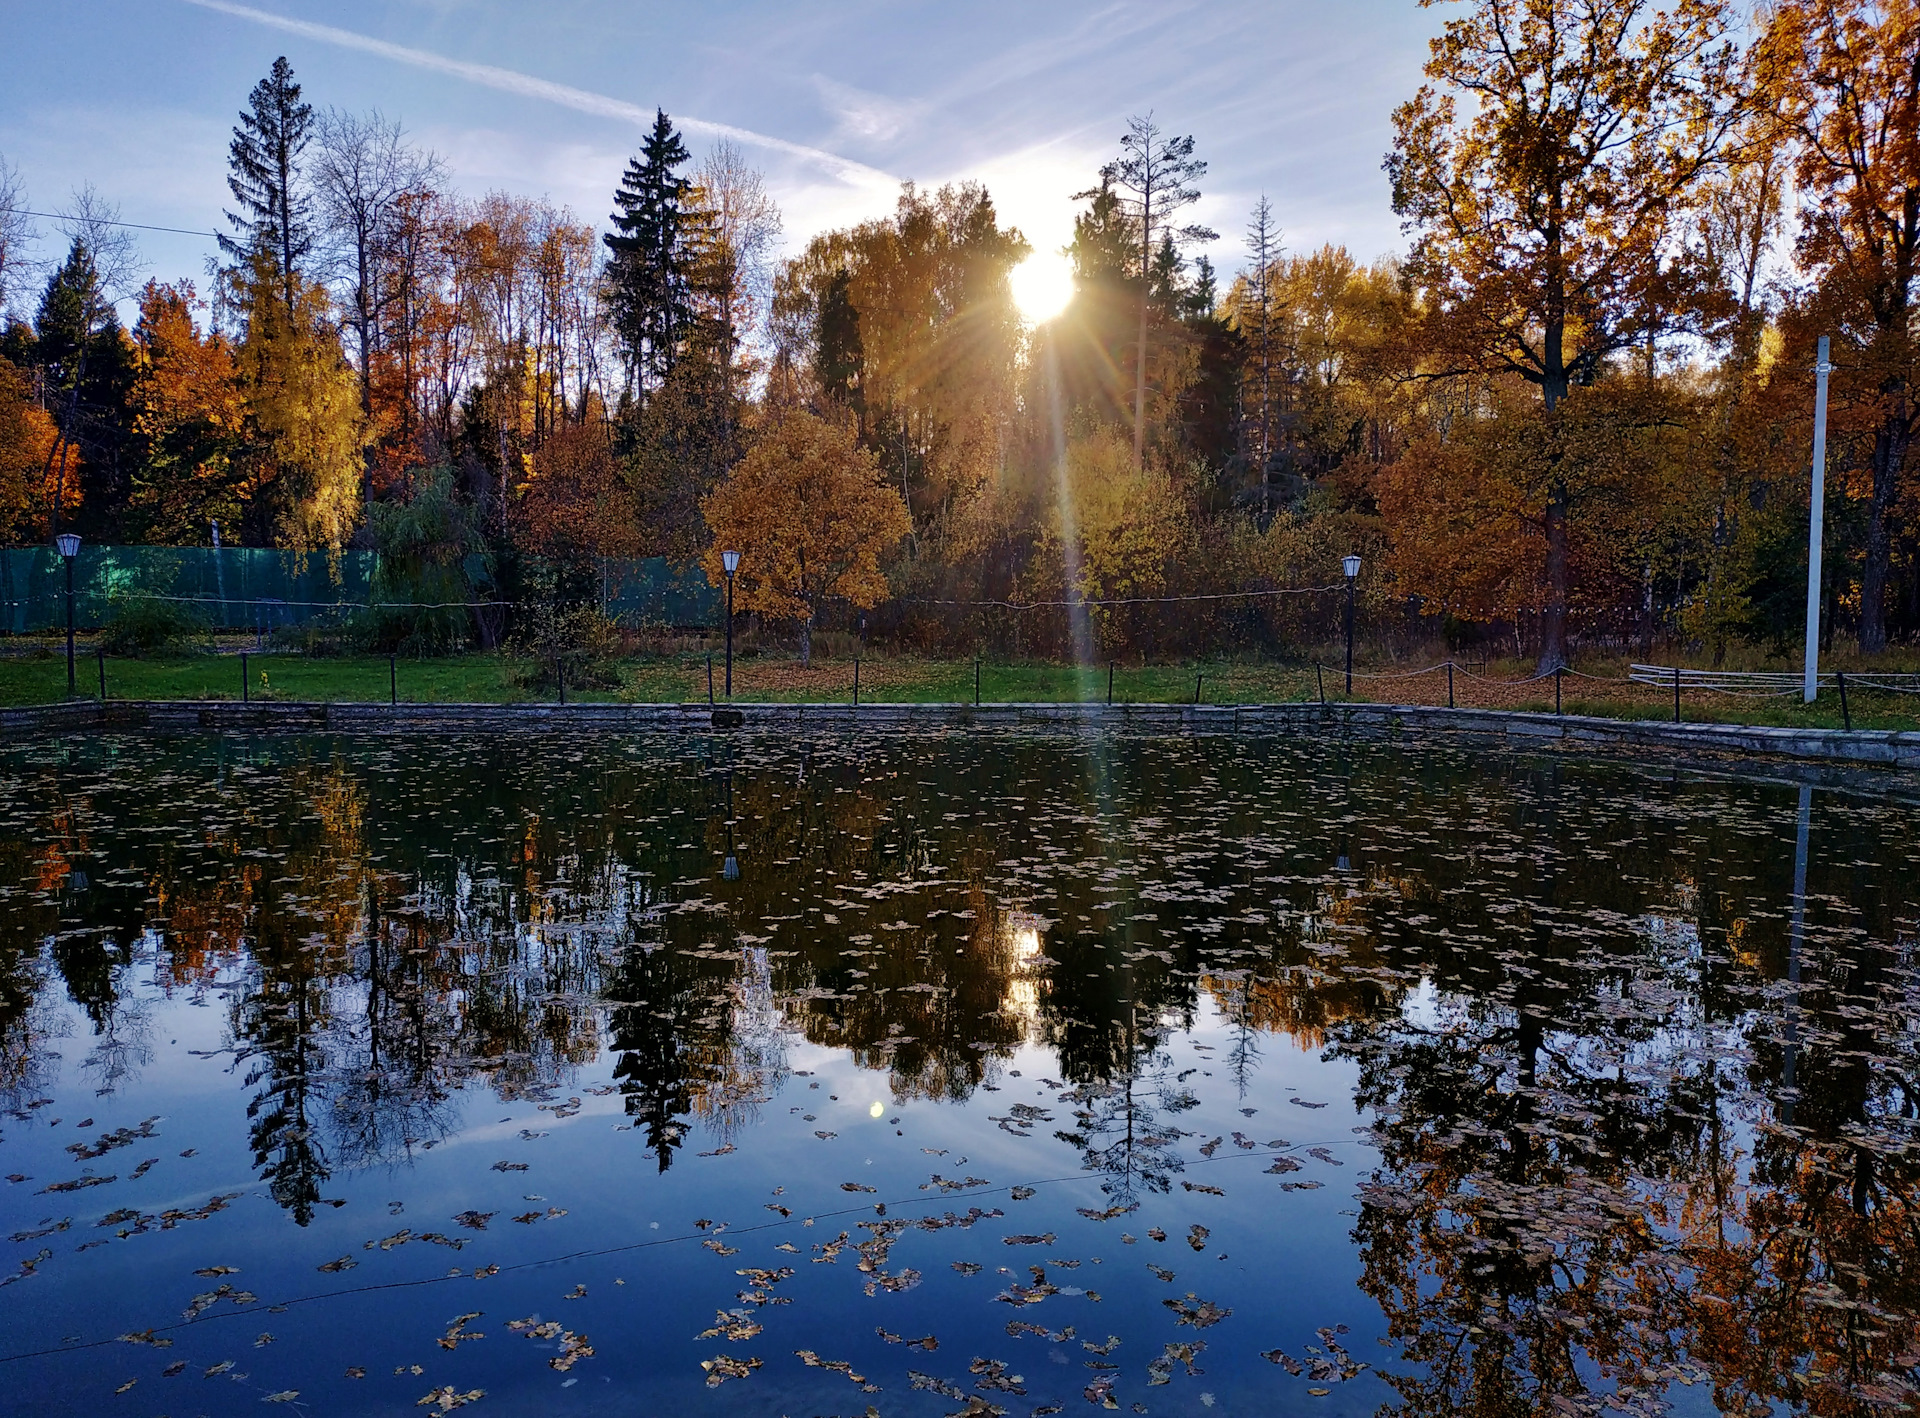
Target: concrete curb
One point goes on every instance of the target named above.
(1367, 722)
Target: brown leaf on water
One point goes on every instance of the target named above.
(1196, 1237)
(509, 1167)
(127, 1385)
(1201, 1314)
(445, 1399)
(286, 1395)
(146, 1336)
(214, 1272)
(356, 1372)
(1198, 1187)
(334, 1267)
(579, 1292)
(178, 1366)
(735, 1325)
(1043, 1240)
(722, 1367)
(475, 1220)
(838, 1366)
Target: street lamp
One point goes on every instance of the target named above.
(730, 560)
(69, 545)
(1351, 565)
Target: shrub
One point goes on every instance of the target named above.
(141, 625)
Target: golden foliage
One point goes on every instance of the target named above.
(811, 519)
(26, 439)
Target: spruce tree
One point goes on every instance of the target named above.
(263, 165)
(648, 276)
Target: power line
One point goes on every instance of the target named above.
(102, 221)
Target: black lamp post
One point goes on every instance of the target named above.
(1351, 565)
(730, 560)
(69, 545)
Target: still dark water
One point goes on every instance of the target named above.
(947, 1075)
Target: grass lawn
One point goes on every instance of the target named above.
(37, 675)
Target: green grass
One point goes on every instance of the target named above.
(38, 676)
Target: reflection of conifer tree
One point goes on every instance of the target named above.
(651, 1028)
(280, 1021)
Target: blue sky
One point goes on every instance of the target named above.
(835, 103)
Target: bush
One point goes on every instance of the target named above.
(142, 625)
(580, 640)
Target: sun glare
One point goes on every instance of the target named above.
(1042, 286)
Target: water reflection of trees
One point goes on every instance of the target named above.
(1591, 1181)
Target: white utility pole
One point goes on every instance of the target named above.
(1821, 369)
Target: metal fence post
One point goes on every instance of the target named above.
(1558, 671)
(1676, 694)
(1321, 681)
(1449, 684)
(1846, 714)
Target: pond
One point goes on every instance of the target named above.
(948, 1074)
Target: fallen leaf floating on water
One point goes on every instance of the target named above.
(857, 1187)
(355, 1371)
(107, 1141)
(77, 1184)
(219, 1368)
(214, 1272)
(457, 1331)
(1160, 1272)
(992, 1375)
(573, 1347)
(1196, 1237)
(127, 1385)
(1044, 1240)
(509, 1166)
(475, 1220)
(208, 1299)
(1198, 1187)
(967, 1267)
(173, 1370)
(722, 1367)
(838, 1366)
(1303, 1103)
(1016, 1328)
(1022, 1193)
(735, 1325)
(333, 1267)
(146, 1336)
(1109, 1213)
(926, 1342)
(579, 1292)
(928, 1383)
(1160, 1370)
(286, 1395)
(263, 1340)
(1200, 1315)
(446, 1399)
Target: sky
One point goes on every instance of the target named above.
(836, 104)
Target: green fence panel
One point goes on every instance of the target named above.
(259, 588)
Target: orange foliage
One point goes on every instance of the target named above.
(26, 440)
(575, 506)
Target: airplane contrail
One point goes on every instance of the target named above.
(583, 100)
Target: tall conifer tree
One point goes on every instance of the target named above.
(263, 163)
(649, 272)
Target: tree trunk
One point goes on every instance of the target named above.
(1889, 455)
(806, 641)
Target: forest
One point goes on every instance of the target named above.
(1576, 410)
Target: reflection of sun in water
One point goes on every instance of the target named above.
(1042, 286)
(1023, 941)
(877, 1109)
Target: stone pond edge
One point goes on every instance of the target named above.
(1479, 727)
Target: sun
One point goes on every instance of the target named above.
(1042, 286)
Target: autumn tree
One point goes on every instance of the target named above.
(812, 519)
(1544, 170)
(1154, 173)
(187, 419)
(27, 438)
(365, 178)
(1840, 75)
(303, 411)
